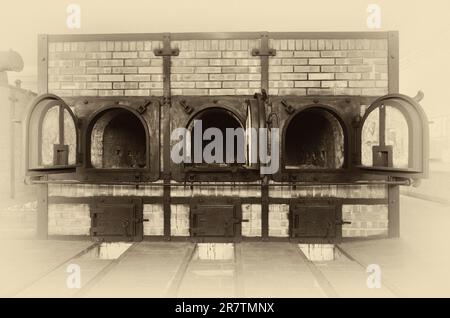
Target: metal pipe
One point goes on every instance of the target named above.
(202, 184)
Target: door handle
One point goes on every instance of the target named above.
(138, 220)
(236, 221)
(342, 222)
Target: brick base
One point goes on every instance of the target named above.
(252, 213)
(367, 220)
(279, 220)
(155, 215)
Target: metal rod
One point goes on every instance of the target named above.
(198, 184)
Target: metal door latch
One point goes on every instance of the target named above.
(342, 222)
(237, 221)
(139, 220)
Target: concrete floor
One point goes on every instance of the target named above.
(418, 264)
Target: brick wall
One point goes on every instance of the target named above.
(89, 190)
(220, 67)
(367, 220)
(227, 190)
(69, 219)
(155, 215)
(216, 67)
(252, 213)
(279, 220)
(179, 219)
(105, 68)
(328, 67)
(331, 191)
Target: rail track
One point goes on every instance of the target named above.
(189, 266)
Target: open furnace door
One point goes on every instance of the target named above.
(394, 138)
(52, 137)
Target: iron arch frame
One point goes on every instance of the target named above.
(344, 110)
(418, 136)
(185, 109)
(92, 110)
(33, 149)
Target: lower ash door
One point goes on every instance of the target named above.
(315, 221)
(117, 221)
(215, 220)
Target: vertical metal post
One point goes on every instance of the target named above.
(265, 209)
(265, 62)
(393, 62)
(166, 136)
(61, 125)
(393, 84)
(264, 52)
(42, 64)
(382, 125)
(394, 211)
(42, 212)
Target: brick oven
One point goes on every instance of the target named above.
(99, 136)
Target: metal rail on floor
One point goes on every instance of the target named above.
(323, 282)
(102, 273)
(175, 284)
(24, 287)
(177, 281)
(386, 284)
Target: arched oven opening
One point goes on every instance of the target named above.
(118, 141)
(228, 134)
(314, 139)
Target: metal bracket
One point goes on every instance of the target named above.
(264, 52)
(165, 101)
(288, 108)
(263, 96)
(143, 108)
(166, 176)
(187, 109)
(166, 52)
